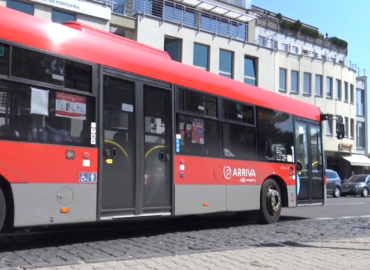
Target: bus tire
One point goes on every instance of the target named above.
(2, 209)
(271, 202)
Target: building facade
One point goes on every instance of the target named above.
(232, 38)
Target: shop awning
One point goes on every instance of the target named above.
(357, 160)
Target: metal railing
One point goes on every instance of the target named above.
(182, 15)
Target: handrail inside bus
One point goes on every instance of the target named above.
(120, 148)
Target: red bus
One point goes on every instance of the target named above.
(97, 127)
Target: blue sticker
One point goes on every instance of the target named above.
(298, 184)
(92, 177)
(84, 177)
(177, 149)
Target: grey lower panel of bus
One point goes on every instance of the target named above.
(292, 195)
(189, 199)
(40, 204)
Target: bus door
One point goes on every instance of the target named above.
(309, 162)
(135, 152)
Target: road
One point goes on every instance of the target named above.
(191, 237)
(345, 207)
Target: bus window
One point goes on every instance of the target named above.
(200, 103)
(239, 112)
(199, 136)
(4, 59)
(32, 114)
(45, 68)
(275, 135)
(238, 141)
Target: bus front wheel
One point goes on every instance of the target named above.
(2, 209)
(270, 207)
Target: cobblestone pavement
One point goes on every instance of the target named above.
(346, 254)
(288, 242)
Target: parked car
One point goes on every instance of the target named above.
(357, 185)
(333, 184)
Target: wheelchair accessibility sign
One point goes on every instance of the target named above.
(85, 177)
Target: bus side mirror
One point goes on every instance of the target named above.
(340, 131)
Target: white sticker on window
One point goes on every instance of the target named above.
(289, 158)
(39, 101)
(182, 167)
(201, 108)
(127, 107)
(240, 116)
(93, 124)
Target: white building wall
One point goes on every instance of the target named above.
(152, 32)
(325, 103)
(3, 3)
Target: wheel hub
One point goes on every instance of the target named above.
(273, 200)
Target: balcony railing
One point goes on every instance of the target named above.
(186, 16)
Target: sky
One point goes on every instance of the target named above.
(347, 20)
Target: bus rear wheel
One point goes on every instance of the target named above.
(2, 209)
(271, 204)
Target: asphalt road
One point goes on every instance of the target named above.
(346, 207)
(182, 236)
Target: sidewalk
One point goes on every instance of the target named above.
(350, 253)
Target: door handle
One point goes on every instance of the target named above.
(161, 156)
(114, 152)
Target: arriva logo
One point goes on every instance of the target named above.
(228, 172)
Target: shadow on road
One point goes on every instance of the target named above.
(118, 230)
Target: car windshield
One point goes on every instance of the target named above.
(357, 178)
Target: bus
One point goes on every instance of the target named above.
(96, 127)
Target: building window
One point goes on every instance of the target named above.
(294, 83)
(352, 128)
(226, 64)
(329, 127)
(360, 134)
(306, 83)
(351, 94)
(346, 127)
(318, 85)
(360, 100)
(338, 89)
(173, 47)
(346, 91)
(282, 79)
(117, 31)
(250, 71)
(329, 87)
(61, 17)
(201, 56)
(20, 6)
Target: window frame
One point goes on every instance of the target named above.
(309, 83)
(224, 119)
(285, 79)
(291, 81)
(222, 72)
(95, 75)
(94, 70)
(208, 55)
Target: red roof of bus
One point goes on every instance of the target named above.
(124, 55)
